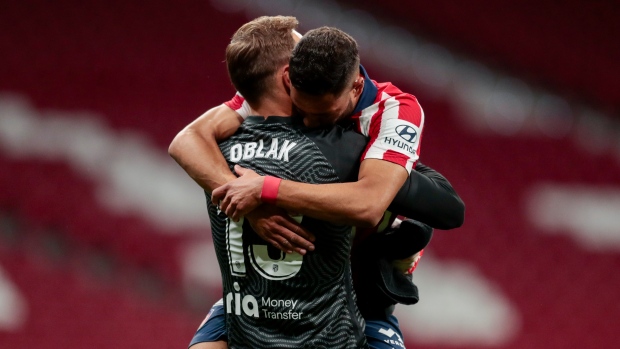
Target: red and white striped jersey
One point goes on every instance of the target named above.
(240, 105)
(393, 121)
(394, 124)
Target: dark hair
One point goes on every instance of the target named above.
(256, 51)
(324, 61)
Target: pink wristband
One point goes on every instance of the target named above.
(269, 194)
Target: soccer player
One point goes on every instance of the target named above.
(273, 299)
(403, 160)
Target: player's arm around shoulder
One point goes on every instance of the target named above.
(361, 203)
(196, 150)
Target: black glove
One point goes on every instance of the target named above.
(401, 242)
(379, 285)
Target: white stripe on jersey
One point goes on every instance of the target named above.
(422, 118)
(394, 134)
(367, 114)
(244, 110)
(240, 105)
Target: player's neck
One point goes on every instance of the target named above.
(273, 107)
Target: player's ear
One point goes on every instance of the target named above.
(286, 80)
(358, 86)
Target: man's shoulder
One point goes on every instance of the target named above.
(391, 102)
(387, 90)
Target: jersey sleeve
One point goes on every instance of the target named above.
(428, 197)
(394, 126)
(240, 105)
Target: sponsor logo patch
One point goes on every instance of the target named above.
(401, 136)
(406, 132)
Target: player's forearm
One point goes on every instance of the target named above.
(201, 158)
(360, 203)
(195, 147)
(444, 200)
(344, 203)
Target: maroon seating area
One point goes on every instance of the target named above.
(570, 47)
(68, 308)
(153, 67)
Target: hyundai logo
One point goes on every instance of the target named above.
(407, 133)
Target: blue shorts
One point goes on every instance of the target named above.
(213, 328)
(380, 334)
(384, 334)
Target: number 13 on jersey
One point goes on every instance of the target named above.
(268, 261)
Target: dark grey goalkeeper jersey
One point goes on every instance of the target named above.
(278, 300)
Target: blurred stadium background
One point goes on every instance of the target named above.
(104, 242)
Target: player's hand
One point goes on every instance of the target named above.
(276, 227)
(239, 196)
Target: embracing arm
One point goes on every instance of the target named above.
(195, 148)
(360, 203)
(428, 197)
(425, 196)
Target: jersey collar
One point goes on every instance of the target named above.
(295, 120)
(257, 119)
(369, 94)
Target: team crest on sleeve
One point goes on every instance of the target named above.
(401, 136)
